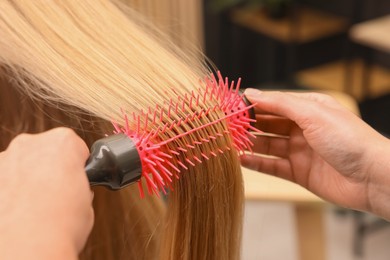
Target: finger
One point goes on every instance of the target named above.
(278, 167)
(74, 144)
(274, 124)
(326, 100)
(321, 98)
(21, 140)
(79, 143)
(271, 145)
(317, 97)
(285, 105)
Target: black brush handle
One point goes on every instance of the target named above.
(114, 162)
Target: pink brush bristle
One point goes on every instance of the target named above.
(160, 163)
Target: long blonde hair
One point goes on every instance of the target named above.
(78, 64)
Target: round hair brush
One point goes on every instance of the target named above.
(135, 151)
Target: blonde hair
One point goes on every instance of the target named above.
(81, 63)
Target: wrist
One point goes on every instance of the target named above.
(379, 179)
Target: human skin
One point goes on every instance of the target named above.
(320, 145)
(45, 199)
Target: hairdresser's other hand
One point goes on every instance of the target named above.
(45, 200)
(325, 148)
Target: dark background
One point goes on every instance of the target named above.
(239, 52)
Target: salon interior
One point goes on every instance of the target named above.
(341, 48)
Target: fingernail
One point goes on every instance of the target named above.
(251, 92)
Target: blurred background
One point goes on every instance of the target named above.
(338, 47)
(306, 44)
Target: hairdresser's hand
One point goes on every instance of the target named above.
(45, 200)
(324, 148)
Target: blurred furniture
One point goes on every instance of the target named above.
(373, 33)
(332, 76)
(374, 36)
(358, 76)
(308, 210)
(365, 225)
(301, 26)
(308, 207)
